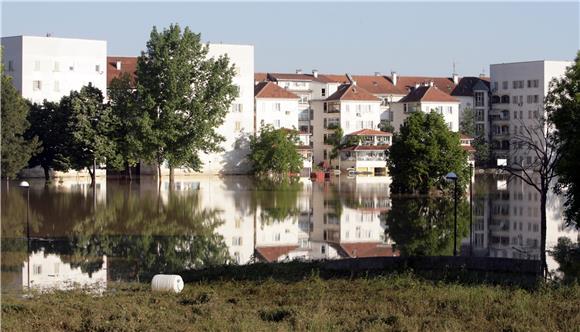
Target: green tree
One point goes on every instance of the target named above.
(335, 140)
(482, 150)
(48, 123)
(89, 124)
(423, 152)
(386, 126)
(563, 105)
(274, 152)
(276, 200)
(467, 123)
(567, 254)
(131, 130)
(186, 94)
(16, 149)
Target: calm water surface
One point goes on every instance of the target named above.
(128, 232)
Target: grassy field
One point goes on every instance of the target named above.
(401, 303)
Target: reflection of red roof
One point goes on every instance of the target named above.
(463, 136)
(369, 132)
(303, 147)
(271, 254)
(367, 148)
(128, 65)
(372, 249)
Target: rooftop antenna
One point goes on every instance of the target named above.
(453, 66)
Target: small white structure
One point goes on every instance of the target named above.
(367, 153)
(275, 106)
(50, 67)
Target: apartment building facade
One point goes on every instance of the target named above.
(50, 67)
(517, 101)
(350, 108)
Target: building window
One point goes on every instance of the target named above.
(495, 86)
(449, 109)
(36, 85)
(479, 98)
(237, 107)
(277, 106)
(303, 100)
(71, 67)
(56, 86)
(238, 126)
(405, 108)
(504, 85)
(98, 68)
(325, 154)
(56, 67)
(237, 241)
(323, 92)
(36, 65)
(277, 123)
(536, 99)
(10, 65)
(37, 269)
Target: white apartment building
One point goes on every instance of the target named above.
(427, 98)
(519, 89)
(50, 67)
(279, 108)
(275, 106)
(350, 108)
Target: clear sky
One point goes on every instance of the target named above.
(411, 38)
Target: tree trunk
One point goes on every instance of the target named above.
(46, 173)
(92, 175)
(171, 176)
(543, 227)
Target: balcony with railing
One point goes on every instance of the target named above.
(332, 107)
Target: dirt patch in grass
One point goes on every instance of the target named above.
(404, 303)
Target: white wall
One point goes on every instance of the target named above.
(285, 117)
(237, 126)
(50, 59)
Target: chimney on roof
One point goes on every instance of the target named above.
(298, 71)
(49, 34)
(430, 83)
(377, 73)
(455, 78)
(394, 77)
(417, 85)
(482, 75)
(315, 73)
(350, 79)
(118, 65)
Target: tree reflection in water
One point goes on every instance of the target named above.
(140, 233)
(424, 226)
(276, 200)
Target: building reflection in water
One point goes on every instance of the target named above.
(127, 232)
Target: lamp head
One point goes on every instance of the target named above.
(24, 184)
(451, 176)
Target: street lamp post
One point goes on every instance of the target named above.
(471, 209)
(26, 185)
(453, 177)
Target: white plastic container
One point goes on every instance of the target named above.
(167, 283)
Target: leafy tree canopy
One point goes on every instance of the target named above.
(274, 152)
(563, 105)
(423, 152)
(185, 93)
(16, 149)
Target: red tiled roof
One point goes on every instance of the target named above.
(378, 85)
(303, 147)
(351, 92)
(426, 94)
(128, 65)
(382, 147)
(260, 77)
(369, 132)
(272, 90)
(271, 254)
(463, 136)
(373, 249)
(468, 148)
(444, 84)
(293, 77)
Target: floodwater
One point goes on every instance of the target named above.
(80, 236)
